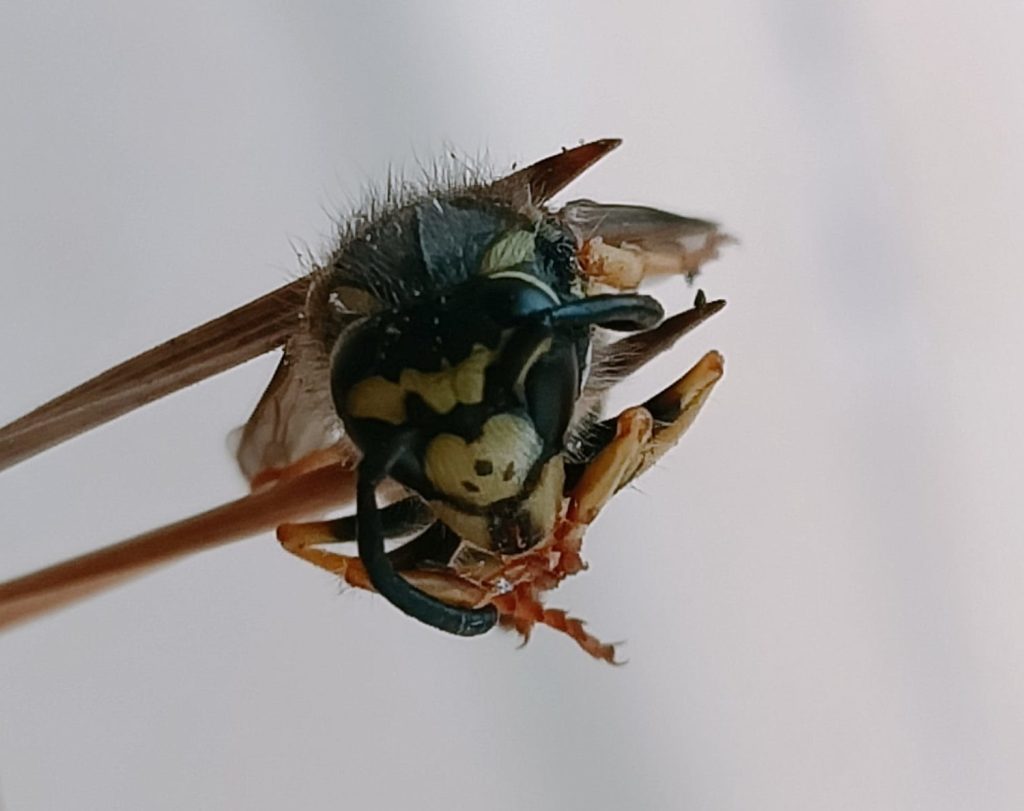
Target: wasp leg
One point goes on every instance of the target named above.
(609, 468)
(676, 407)
(595, 484)
(302, 539)
(673, 409)
(413, 559)
(521, 610)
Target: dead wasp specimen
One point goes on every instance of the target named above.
(450, 357)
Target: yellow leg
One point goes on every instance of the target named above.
(607, 471)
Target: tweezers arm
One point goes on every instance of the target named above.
(60, 585)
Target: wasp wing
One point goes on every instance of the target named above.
(295, 417)
(628, 243)
(539, 182)
(218, 345)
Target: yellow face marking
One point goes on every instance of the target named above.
(515, 248)
(444, 389)
(382, 399)
(543, 506)
(378, 399)
(491, 468)
(545, 502)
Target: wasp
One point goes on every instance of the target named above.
(444, 369)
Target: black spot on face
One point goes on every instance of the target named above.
(470, 487)
(509, 472)
(483, 467)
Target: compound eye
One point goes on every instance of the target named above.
(551, 389)
(353, 358)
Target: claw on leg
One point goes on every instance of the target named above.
(521, 610)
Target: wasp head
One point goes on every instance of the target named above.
(468, 383)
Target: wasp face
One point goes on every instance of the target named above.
(462, 383)
(473, 383)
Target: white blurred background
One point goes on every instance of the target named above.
(821, 587)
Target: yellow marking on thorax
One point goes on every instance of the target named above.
(382, 399)
(545, 502)
(515, 248)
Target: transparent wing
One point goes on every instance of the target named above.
(295, 416)
(539, 182)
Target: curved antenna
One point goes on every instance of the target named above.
(622, 312)
(392, 586)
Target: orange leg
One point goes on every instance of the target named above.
(304, 540)
(607, 471)
(642, 435)
(521, 610)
